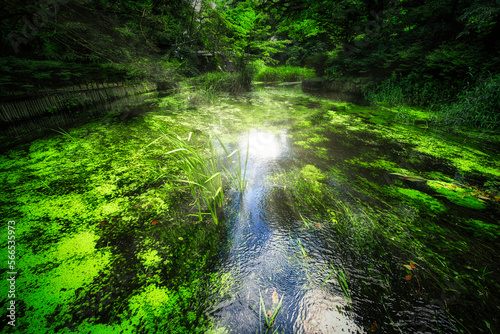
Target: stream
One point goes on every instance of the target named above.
(271, 253)
(355, 219)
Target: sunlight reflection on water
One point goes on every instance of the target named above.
(261, 256)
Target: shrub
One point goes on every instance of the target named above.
(477, 106)
(282, 73)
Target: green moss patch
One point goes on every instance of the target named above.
(483, 229)
(425, 203)
(461, 196)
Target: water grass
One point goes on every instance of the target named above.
(269, 316)
(237, 171)
(201, 171)
(283, 73)
(342, 282)
(204, 171)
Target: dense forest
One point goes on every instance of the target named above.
(250, 166)
(442, 54)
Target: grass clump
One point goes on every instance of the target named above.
(231, 82)
(269, 315)
(285, 73)
(477, 106)
(201, 165)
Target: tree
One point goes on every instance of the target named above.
(238, 31)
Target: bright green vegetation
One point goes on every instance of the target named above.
(458, 195)
(285, 73)
(109, 240)
(427, 195)
(388, 50)
(103, 243)
(141, 260)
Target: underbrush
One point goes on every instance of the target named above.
(477, 105)
(232, 82)
(285, 73)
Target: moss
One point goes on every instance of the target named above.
(424, 202)
(461, 196)
(483, 229)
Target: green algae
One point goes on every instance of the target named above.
(101, 185)
(49, 278)
(78, 194)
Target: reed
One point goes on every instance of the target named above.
(202, 168)
(203, 179)
(269, 317)
(237, 171)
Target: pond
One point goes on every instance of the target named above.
(353, 219)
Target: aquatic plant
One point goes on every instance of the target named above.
(342, 282)
(201, 167)
(203, 179)
(269, 315)
(237, 171)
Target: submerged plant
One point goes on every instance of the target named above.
(270, 315)
(342, 281)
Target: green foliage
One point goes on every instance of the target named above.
(203, 178)
(281, 73)
(476, 106)
(239, 31)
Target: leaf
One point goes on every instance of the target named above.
(408, 277)
(275, 297)
(154, 222)
(412, 265)
(407, 266)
